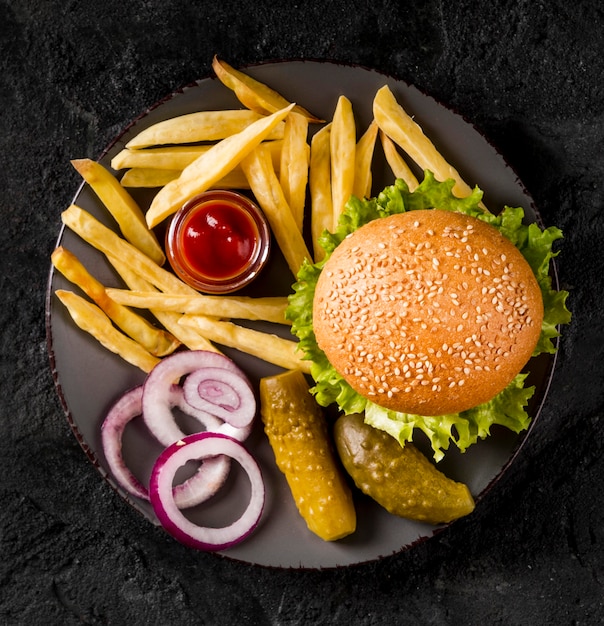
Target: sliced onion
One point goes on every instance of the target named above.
(156, 391)
(197, 447)
(223, 393)
(121, 413)
(206, 481)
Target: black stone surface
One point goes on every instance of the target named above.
(73, 74)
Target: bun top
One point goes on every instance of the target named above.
(427, 312)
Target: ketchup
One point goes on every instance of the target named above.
(218, 242)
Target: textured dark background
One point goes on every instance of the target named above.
(72, 74)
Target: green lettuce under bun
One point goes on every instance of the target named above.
(465, 428)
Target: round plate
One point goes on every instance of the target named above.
(89, 378)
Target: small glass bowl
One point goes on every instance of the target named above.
(218, 242)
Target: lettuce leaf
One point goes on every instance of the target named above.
(465, 428)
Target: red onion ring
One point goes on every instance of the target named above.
(200, 446)
(121, 413)
(221, 392)
(156, 410)
(202, 485)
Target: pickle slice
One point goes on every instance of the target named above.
(401, 479)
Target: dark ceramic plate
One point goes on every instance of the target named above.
(89, 378)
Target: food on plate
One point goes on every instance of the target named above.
(319, 183)
(252, 93)
(218, 242)
(268, 308)
(264, 183)
(419, 356)
(401, 479)
(169, 161)
(210, 167)
(141, 177)
(155, 340)
(110, 243)
(264, 345)
(363, 178)
(158, 158)
(343, 156)
(212, 390)
(417, 311)
(427, 312)
(202, 446)
(293, 171)
(91, 319)
(397, 163)
(122, 207)
(398, 125)
(298, 434)
(168, 319)
(199, 127)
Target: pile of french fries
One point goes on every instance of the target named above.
(265, 148)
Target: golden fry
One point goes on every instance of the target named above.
(265, 346)
(186, 335)
(210, 167)
(155, 340)
(92, 320)
(122, 206)
(198, 127)
(319, 182)
(343, 150)
(363, 158)
(398, 125)
(268, 309)
(258, 168)
(111, 244)
(252, 93)
(397, 164)
(293, 174)
(145, 177)
(163, 158)
(149, 178)
(173, 157)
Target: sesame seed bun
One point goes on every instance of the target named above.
(427, 312)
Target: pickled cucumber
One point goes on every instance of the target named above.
(298, 434)
(401, 479)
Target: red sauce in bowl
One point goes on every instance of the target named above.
(218, 242)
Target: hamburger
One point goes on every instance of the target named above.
(425, 311)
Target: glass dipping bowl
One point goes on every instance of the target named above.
(218, 242)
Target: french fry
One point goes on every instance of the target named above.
(198, 127)
(155, 340)
(343, 149)
(254, 94)
(109, 243)
(149, 178)
(405, 132)
(397, 164)
(293, 174)
(173, 157)
(122, 206)
(258, 167)
(186, 335)
(268, 309)
(319, 183)
(210, 167)
(363, 159)
(92, 320)
(163, 158)
(265, 346)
